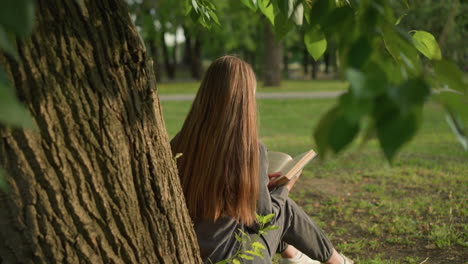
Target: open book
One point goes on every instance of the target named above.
(288, 166)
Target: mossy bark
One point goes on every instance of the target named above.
(96, 182)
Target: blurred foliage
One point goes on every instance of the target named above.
(447, 20)
(390, 80)
(16, 20)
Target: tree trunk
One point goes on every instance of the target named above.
(314, 69)
(170, 67)
(326, 59)
(153, 50)
(196, 62)
(187, 58)
(272, 57)
(305, 60)
(286, 64)
(96, 182)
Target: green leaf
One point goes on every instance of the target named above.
(237, 237)
(339, 21)
(214, 17)
(12, 112)
(355, 108)
(17, 16)
(402, 49)
(244, 256)
(265, 219)
(322, 132)
(395, 128)
(359, 53)
(427, 45)
(458, 128)
(397, 22)
(307, 10)
(6, 44)
(267, 9)
(194, 5)
(315, 42)
(357, 79)
(454, 102)
(270, 227)
(342, 132)
(236, 261)
(320, 10)
(298, 14)
(258, 254)
(252, 4)
(410, 93)
(367, 84)
(258, 245)
(282, 25)
(449, 74)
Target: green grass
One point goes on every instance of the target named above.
(373, 212)
(286, 86)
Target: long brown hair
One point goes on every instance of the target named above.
(219, 142)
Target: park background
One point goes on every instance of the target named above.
(412, 211)
(86, 173)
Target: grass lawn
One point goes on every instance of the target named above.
(286, 86)
(412, 211)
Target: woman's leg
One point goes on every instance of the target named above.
(289, 252)
(307, 237)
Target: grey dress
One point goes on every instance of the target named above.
(217, 240)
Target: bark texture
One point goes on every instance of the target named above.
(96, 182)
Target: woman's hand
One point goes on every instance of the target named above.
(272, 177)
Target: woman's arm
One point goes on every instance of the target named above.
(269, 202)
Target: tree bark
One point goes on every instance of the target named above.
(272, 57)
(96, 182)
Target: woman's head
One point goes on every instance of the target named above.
(219, 141)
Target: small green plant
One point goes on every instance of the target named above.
(249, 247)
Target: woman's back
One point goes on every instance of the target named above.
(218, 140)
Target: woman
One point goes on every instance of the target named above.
(223, 171)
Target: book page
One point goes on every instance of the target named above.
(289, 167)
(277, 160)
(300, 161)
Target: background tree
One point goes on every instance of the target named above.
(273, 57)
